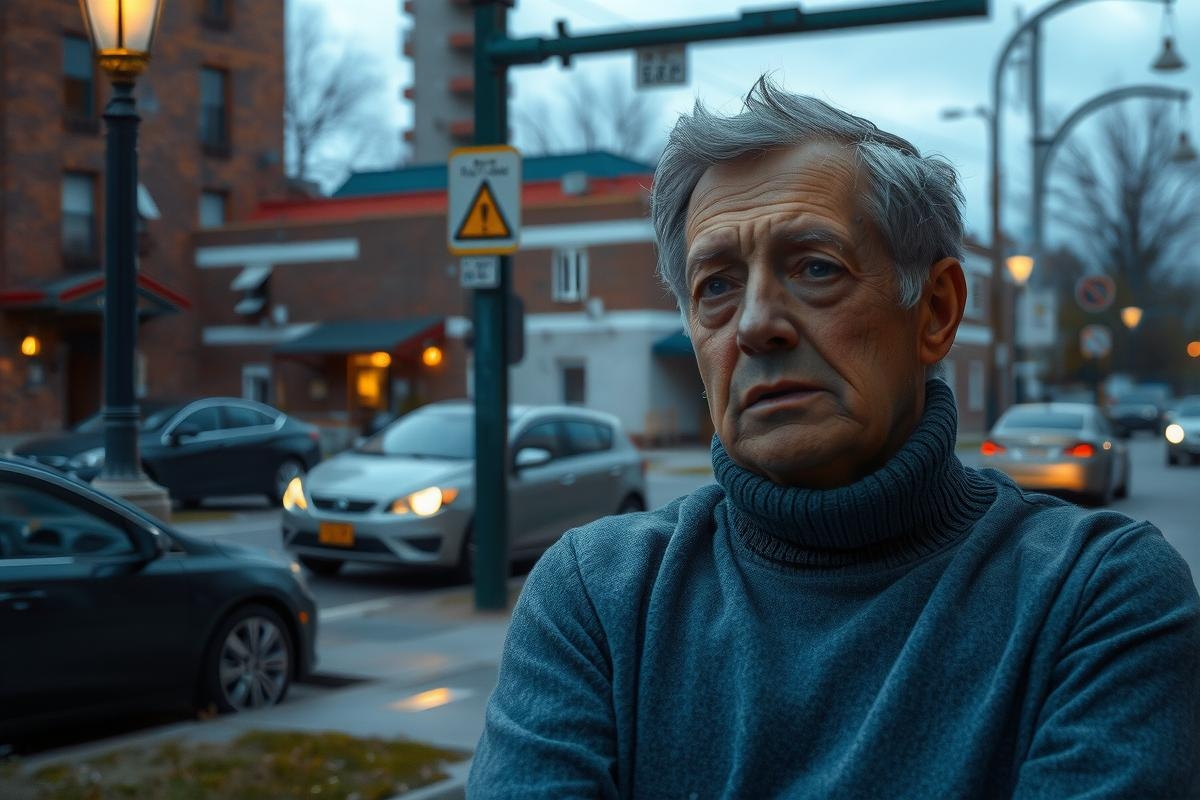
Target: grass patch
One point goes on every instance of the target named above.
(260, 765)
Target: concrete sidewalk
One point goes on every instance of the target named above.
(427, 666)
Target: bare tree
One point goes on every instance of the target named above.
(1136, 213)
(601, 114)
(331, 119)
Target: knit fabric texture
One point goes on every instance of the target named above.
(930, 631)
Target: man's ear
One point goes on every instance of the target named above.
(941, 310)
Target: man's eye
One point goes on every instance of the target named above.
(820, 269)
(714, 286)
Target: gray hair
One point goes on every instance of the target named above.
(915, 201)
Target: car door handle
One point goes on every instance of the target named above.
(21, 601)
(567, 480)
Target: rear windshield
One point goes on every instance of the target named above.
(425, 435)
(1042, 420)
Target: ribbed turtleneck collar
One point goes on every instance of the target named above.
(918, 501)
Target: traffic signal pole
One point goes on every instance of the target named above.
(494, 54)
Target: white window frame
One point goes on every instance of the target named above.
(977, 296)
(950, 374)
(252, 372)
(565, 365)
(569, 274)
(975, 381)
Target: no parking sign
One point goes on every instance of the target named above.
(1095, 341)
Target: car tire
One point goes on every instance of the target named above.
(288, 469)
(250, 661)
(322, 566)
(1123, 490)
(631, 504)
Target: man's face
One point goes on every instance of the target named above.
(812, 369)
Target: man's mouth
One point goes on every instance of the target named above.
(778, 393)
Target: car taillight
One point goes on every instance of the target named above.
(1081, 450)
(990, 448)
(315, 435)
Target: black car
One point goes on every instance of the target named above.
(1139, 411)
(104, 608)
(197, 449)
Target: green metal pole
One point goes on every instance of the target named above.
(491, 330)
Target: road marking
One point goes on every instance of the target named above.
(354, 609)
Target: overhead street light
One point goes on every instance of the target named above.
(1184, 152)
(1131, 316)
(1169, 59)
(1019, 268)
(122, 32)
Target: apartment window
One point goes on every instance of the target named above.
(569, 279)
(214, 110)
(977, 298)
(574, 384)
(216, 13)
(213, 213)
(975, 387)
(79, 83)
(950, 374)
(79, 216)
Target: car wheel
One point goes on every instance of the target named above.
(1123, 491)
(249, 661)
(322, 566)
(630, 504)
(288, 469)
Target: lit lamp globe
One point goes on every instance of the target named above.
(1019, 268)
(122, 32)
(1193, 349)
(1131, 316)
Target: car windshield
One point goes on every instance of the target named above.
(1189, 410)
(425, 435)
(153, 418)
(1138, 398)
(1042, 420)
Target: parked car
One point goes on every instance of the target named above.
(1140, 409)
(407, 494)
(1067, 447)
(1183, 432)
(104, 608)
(197, 449)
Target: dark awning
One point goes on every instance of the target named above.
(677, 345)
(84, 294)
(365, 336)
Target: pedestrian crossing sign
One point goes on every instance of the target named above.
(484, 204)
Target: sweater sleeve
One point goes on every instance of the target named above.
(549, 730)
(1122, 717)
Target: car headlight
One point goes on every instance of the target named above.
(293, 496)
(1174, 433)
(88, 459)
(426, 502)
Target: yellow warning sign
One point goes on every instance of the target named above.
(483, 219)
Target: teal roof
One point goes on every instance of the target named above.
(432, 177)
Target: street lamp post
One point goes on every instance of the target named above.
(1020, 267)
(122, 32)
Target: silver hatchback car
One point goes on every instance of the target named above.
(407, 495)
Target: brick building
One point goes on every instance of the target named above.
(441, 46)
(325, 307)
(210, 149)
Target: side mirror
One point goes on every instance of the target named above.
(532, 457)
(181, 432)
(150, 544)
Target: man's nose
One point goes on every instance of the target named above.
(767, 321)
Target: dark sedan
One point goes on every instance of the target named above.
(197, 449)
(105, 608)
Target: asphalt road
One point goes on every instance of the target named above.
(1164, 495)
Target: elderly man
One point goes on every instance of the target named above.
(849, 611)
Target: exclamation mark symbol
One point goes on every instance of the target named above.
(483, 212)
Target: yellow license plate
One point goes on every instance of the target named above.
(340, 534)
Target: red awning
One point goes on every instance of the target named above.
(84, 293)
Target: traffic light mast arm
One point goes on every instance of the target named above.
(534, 50)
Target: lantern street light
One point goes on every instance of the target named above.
(1131, 316)
(1020, 268)
(122, 32)
(1193, 349)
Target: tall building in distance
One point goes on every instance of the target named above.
(441, 44)
(210, 147)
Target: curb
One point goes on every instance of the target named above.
(453, 788)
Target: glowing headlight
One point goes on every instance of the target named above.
(1174, 433)
(426, 502)
(293, 498)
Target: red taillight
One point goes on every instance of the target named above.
(990, 448)
(1081, 450)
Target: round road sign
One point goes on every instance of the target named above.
(1095, 341)
(1095, 293)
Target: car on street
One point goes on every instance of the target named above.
(1183, 432)
(1060, 447)
(209, 447)
(1140, 409)
(105, 609)
(406, 496)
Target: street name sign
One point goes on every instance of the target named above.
(479, 272)
(663, 65)
(484, 205)
(1095, 293)
(1095, 341)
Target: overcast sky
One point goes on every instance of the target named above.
(901, 76)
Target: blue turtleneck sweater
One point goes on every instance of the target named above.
(928, 632)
